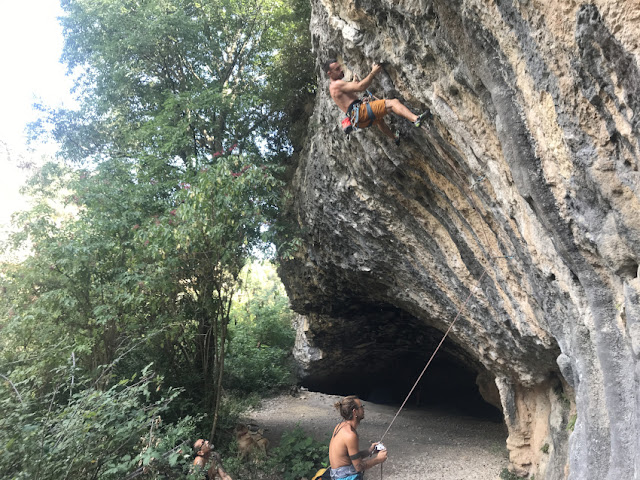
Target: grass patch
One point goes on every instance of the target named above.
(572, 422)
(505, 474)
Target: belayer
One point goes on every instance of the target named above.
(348, 462)
(364, 114)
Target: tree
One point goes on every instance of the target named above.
(215, 227)
(262, 336)
(185, 121)
(80, 286)
(175, 82)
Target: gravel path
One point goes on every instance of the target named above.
(423, 444)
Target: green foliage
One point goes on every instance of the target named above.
(562, 397)
(173, 179)
(91, 433)
(253, 367)
(250, 468)
(77, 288)
(572, 422)
(262, 337)
(290, 83)
(298, 455)
(545, 448)
(182, 78)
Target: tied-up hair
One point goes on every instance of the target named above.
(346, 406)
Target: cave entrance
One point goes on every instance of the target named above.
(445, 385)
(380, 362)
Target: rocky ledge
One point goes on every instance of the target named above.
(517, 205)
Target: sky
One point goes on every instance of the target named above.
(30, 51)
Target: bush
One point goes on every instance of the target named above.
(298, 455)
(255, 367)
(259, 358)
(93, 433)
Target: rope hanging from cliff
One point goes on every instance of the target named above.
(432, 356)
(484, 272)
(490, 257)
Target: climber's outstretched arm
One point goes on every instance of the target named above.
(362, 85)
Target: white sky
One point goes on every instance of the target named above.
(30, 50)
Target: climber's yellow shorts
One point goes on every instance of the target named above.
(379, 109)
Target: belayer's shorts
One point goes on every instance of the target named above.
(348, 472)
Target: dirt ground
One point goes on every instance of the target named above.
(423, 443)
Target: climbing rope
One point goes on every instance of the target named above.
(432, 356)
(476, 182)
(471, 293)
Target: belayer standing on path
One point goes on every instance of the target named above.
(347, 461)
(365, 114)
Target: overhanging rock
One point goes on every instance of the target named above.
(522, 195)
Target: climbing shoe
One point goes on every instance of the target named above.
(423, 118)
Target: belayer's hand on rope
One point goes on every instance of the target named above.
(381, 450)
(376, 447)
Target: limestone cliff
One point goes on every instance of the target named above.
(521, 195)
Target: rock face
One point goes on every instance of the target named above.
(517, 206)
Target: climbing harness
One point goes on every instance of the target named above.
(350, 122)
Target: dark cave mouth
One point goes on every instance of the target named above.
(446, 385)
(378, 351)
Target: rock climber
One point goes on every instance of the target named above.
(208, 462)
(348, 462)
(345, 95)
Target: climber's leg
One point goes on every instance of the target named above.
(384, 128)
(398, 108)
(394, 105)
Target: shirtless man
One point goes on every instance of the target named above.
(213, 469)
(345, 95)
(347, 461)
